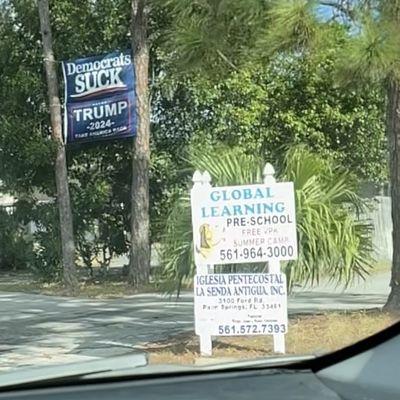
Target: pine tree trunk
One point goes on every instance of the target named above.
(393, 131)
(139, 266)
(63, 197)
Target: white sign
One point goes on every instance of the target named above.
(240, 304)
(244, 224)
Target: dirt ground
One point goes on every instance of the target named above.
(308, 334)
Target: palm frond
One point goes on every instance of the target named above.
(332, 241)
(228, 166)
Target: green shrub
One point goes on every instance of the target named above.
(333, 242)
(16, 248)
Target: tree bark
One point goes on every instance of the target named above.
(393, 131)
(139, 265)
(63, 197)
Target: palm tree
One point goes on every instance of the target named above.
(370, 53)
(303, 28)
(374, 54)
(334, 243)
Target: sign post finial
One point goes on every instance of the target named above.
(269, 173)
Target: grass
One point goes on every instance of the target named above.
(100, 289)
(307, 334)
(106, 288)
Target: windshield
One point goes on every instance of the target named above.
(197, 182)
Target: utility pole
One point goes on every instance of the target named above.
(139, 266)
(61, 174)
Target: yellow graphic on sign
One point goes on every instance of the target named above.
(207, 241)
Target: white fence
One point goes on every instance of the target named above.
(381, 219)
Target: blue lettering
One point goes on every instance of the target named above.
(215, 196)
(259, 194)
(247, 194)
(268, 207)
(249, 209)
(235, 194)
(225, 212)
(237, 210)
(225, 197)
(214, 211)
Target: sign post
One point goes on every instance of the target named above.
(242, 224)
(274, 265)
(200, 182)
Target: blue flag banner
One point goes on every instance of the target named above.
(99, 98)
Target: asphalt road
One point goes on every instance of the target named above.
(38, 330)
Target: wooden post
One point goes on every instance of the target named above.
(63, 196)
(206, 345)
(274, 265)
(279, 339)
(200, 181)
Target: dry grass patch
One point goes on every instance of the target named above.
(90, 289)
(308, 334)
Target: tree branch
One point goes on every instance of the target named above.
(225, 58)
